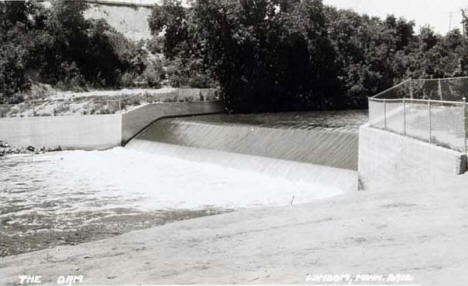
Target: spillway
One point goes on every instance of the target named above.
(176, 169)
(318, 147)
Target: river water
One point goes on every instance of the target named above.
(72, 197)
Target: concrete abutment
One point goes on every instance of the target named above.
(388, 160)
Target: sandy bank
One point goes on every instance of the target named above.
(418, 231)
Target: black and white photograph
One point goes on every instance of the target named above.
(234, 142)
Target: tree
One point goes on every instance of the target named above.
(60, 47)
(267, 59)
(18, 22)
(170, 19)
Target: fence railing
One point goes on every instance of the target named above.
(98, 105)
(433, 110)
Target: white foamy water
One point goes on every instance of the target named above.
(79, 180)
(77, 196)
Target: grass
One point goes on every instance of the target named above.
(102, 104)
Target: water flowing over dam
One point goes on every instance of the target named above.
(177, 168)
(319, 147)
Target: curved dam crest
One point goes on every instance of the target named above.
(328, 148)
(316, 153)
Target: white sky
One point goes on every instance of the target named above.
(436, 13)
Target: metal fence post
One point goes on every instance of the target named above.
(411, 89)
(385, 113)
(369, 111)
(464, 123)
(439, 89)
(430, 120)
(404, 116)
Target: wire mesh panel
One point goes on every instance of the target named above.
(418, 120)
(448, 125)
(432, 110)
(425, 89)
(399, 91)
(454, 90)
(451, 89)
(395, 115)
(376, 113)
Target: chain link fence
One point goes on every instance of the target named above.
(432, 110)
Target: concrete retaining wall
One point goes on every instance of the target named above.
(88, 132)
(93, 132)
(387, 160)
(135, 120)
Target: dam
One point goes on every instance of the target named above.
(177, 168)
(314, 147)
(321, 138)
(176, 161)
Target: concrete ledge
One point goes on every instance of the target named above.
(136, 120)
(93, 132)
(87, 132)
(387, 159)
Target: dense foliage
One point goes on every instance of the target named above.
(374, 54)
(275, 55)
(173, 36)
(60, 47)
(265, 55)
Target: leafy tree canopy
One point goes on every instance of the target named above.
(274, 55)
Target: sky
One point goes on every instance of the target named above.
(440, 14)
(436, 13)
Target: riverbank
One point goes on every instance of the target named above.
(45, 101)
(420, 231)
(6, 149)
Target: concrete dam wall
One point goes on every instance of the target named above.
(388, 160)
(93, 132)
(90, 132)
(327, 157)
(136, 120)
(332, 148)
